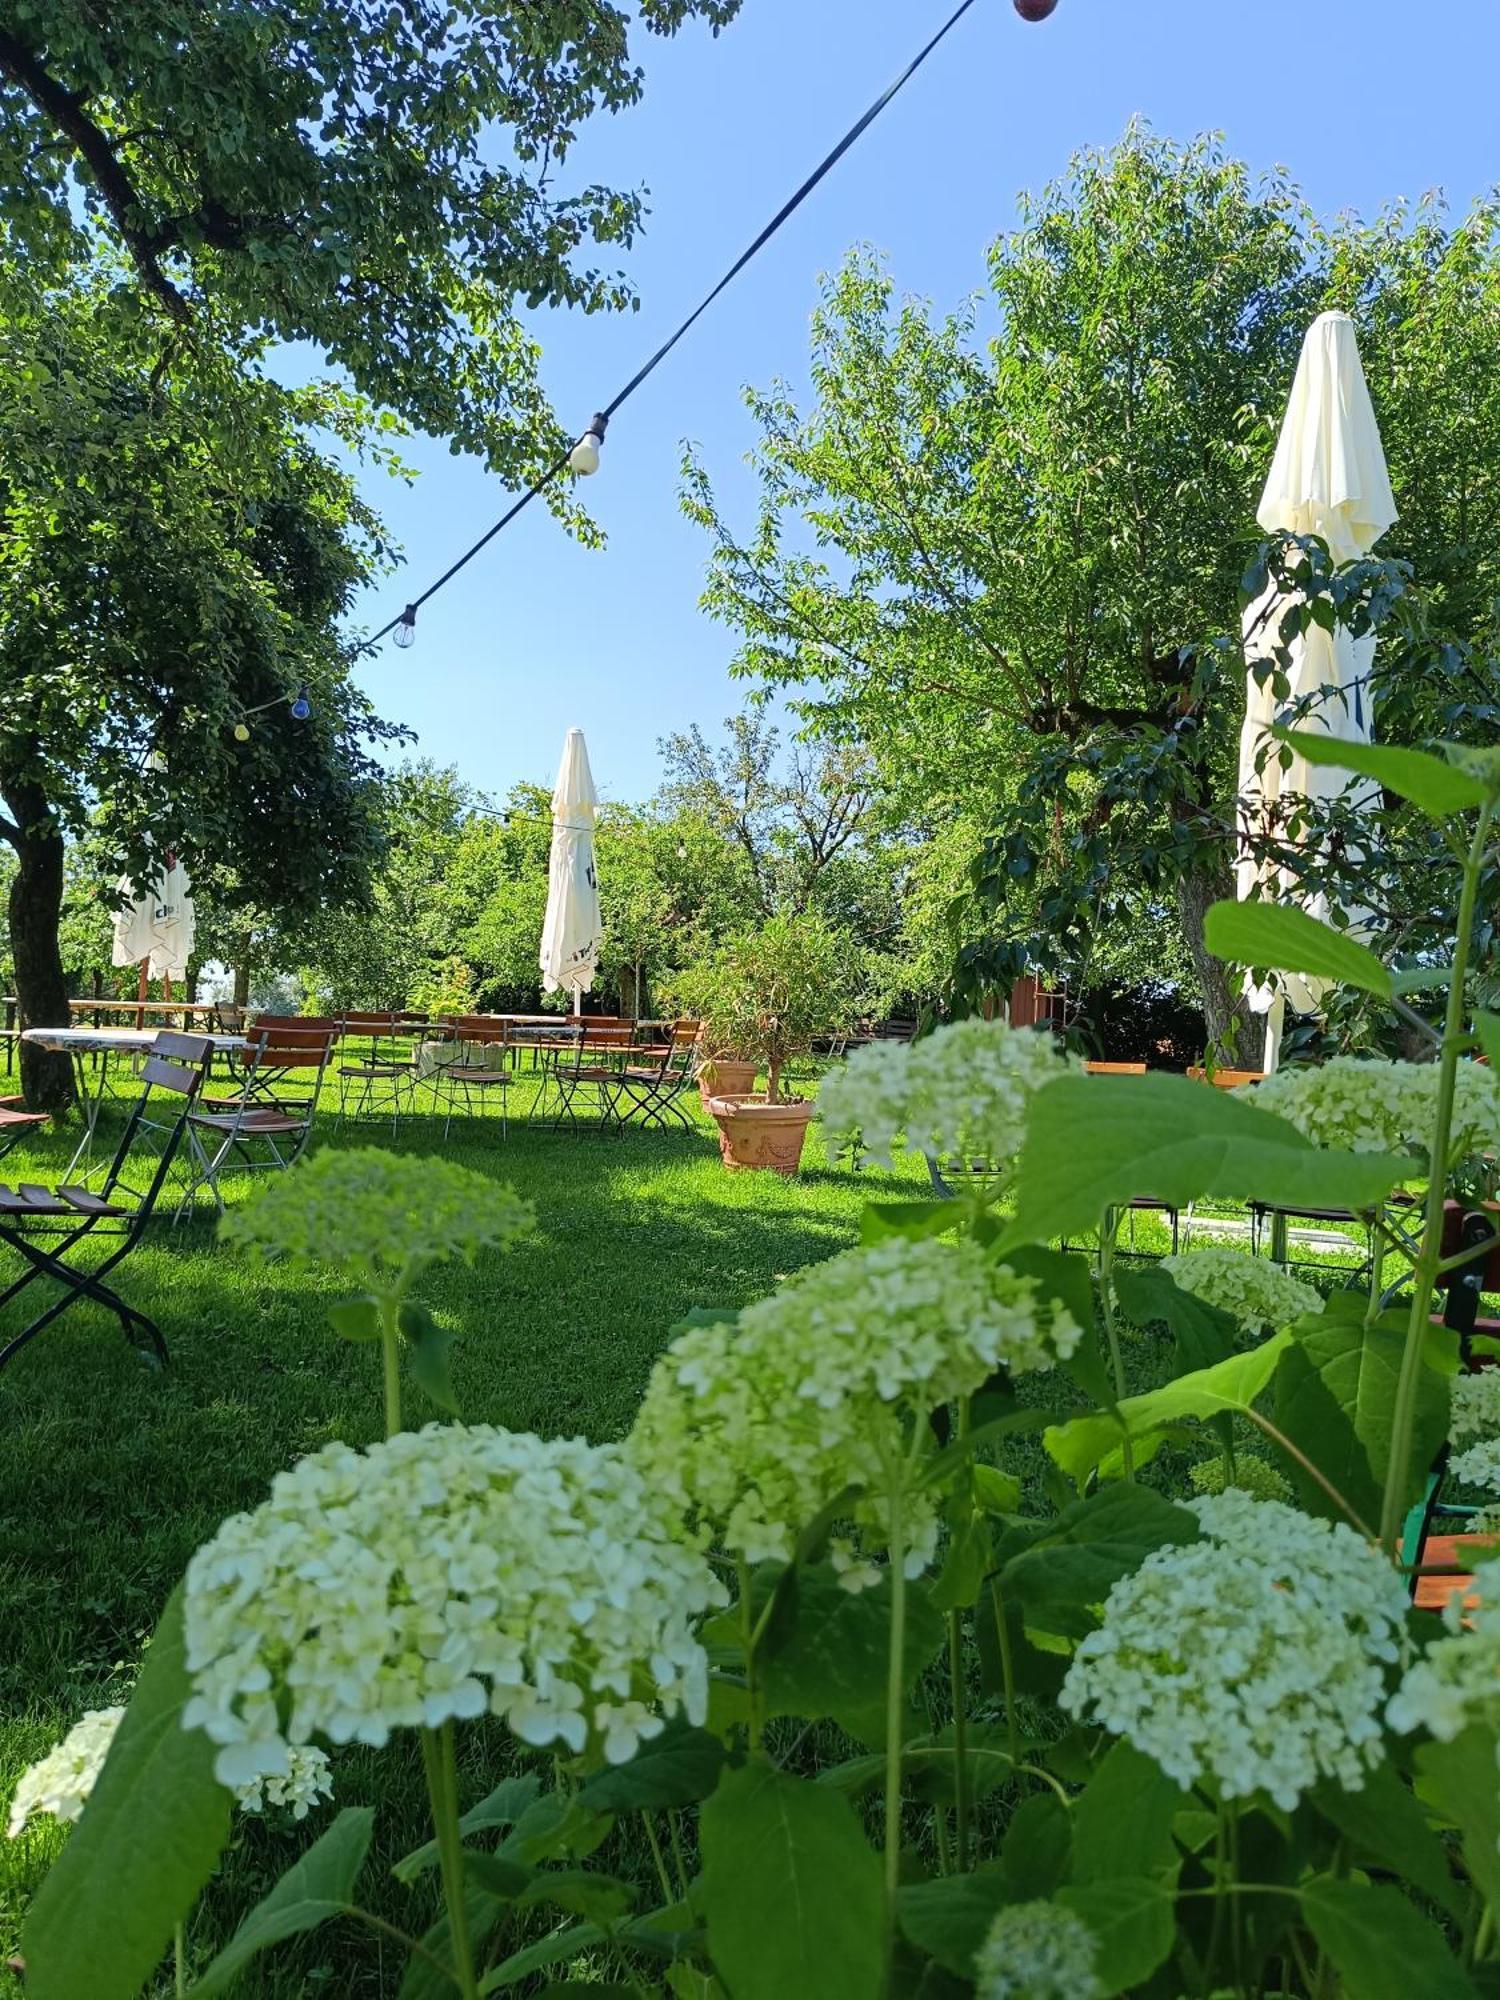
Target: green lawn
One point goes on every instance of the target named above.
(111, 1474)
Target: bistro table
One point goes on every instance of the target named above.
(104, 1043)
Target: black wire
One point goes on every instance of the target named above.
(783, 214)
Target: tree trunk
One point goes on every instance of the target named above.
(1235, 1035)
(242, 977)
(36, 895)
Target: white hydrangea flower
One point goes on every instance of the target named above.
(1474, 1410)
(1255, 1291)
(1252, 1474)
(59, 1783)
(964, 1089)
(1255, 1656)
(1368, 1106)
(1037, 1951)
(752, 1428)
(433, 1576)
(1456, 1681)
(1478, 1466)
(306, 1782)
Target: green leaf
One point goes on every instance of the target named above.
(1203, 1333)
(313, 1890)
(1381, 1947)
(602, 1899)
(424, 1980)
(676, 1768)
(1122, 1820)
(356, 1319)
(831, 1657)
(966, 1564)
(950, 1918)
(1286, 939)
(792, 1890)
(503, 1807)
(1038, 1845)
(1060, 1275)
(149, 1839)
(504, 1880)
(995, 1491)
(1386, 1823)
(1089, 1148)
(560, 1946)
(428, 1344)
(1458, 1778)
(1335, 1399)
(1089, 1547)
(882, 1219)
(1133, 1922)
(1433, 785)
(1487, 1029)
(1083, 1445)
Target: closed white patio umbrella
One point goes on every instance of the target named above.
(572, 931)
(1328, 478)
(156, 931)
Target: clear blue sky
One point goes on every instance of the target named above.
(1394, 97)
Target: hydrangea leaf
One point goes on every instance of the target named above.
(1090, 1546)
(911, 1218)
(1434, 786)
(1459, 1779)
(1380, 1945)
(318, 1887)
(1123, 1819)
(1285, 939)
(677, 1768)
(149, 1839)
(1385, 1821)
(1088, 1149)
(428, 1346)
(1487, 1029)
(831, 1657)
(1335, 1400)
(1131, 1917)
(1087, 1443)
(357, 1318)
(950, 1918)
(1038, 1846)
(501, 1807)
(1204, 1335)
(791, 1888)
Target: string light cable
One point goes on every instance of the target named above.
(583, 457)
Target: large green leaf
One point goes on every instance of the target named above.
(1335, 1400)
(1090, 1147)
(1122, 1820)
(1132, 1918)
(502, 1807)
(830, 1655)
(1385, 1822)
(1037, 1848)
(1286, 939)
(677, 1768)
(792, 1890)
(1433, 785)
(1487, 1028)
(1458, 1778)
(1089, 1547)
(950, 1918)
(1085, 1444)
(313, 1890)
(427, 1348)
(1203, 1333)
(1381, 1946)
(148, 1840)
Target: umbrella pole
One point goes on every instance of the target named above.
(143, 992)
(1275, 1022)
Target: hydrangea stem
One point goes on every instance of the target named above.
(390, 1349)
(894, 1688)
(1424, 1277)
(960, 1743)
(442, 1792)
(1109, 1229)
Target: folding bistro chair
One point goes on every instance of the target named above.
(650, 1091)
(593, 1067)
(265, 1127)
(385, 1060)
(16, 1122)
(47, 1225)
(479, 1072)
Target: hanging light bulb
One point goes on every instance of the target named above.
(406, 627)
(584, 457)
(242, 732)
(302, 707)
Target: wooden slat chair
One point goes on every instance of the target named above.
(481, 1072)
(384, 1068)
(47, 1225)
(265, 1128)
(591, 1067)
(17, 1123)
(649, 1091)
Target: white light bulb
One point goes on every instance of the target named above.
(242, 732)
(584, 457)
(405, 633)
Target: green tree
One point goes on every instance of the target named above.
(1010, 568)
(382, 181)
(174, 554)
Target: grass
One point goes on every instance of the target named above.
(112, 1474)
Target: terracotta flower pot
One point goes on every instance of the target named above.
(754, 1134)
(722, 1076)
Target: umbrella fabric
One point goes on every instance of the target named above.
(157, 927)
(572, 932)
(1328, 478)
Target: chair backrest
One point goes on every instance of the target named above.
(228, 1019)
(368, 1024)
(290, 1041)
(177, 1065)
(1228, 1079)
(481, 1028)
(1114, 1069)
(608, 1034)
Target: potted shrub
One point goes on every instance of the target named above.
(763, 997)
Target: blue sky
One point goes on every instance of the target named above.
(537, 634)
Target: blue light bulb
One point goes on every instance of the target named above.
(302, 707)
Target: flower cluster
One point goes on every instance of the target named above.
(1255, 1656)
(751, 1428)
(1456, 1681)
(1367, 1106)
(1037, 1951)
(378, 1212)
(1256, 1292)
(432, 1576)
(1252, 1474)
(1478, 1466)
(1474, 1411)
(59, 1783)
(964, 1089)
